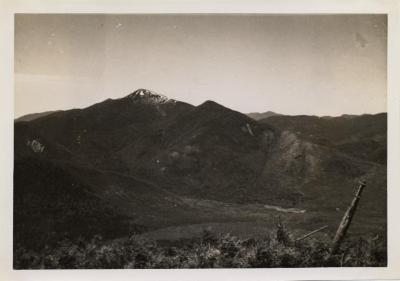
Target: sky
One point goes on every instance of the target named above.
(290, 64)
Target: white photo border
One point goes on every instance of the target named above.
(8, 8)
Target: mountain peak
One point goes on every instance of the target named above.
(211, 105)
(147, 96)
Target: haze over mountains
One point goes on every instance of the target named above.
(146, 162)
(263, 115)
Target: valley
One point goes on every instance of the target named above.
(167, 170)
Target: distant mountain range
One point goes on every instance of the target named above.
(259, 116)
(145, 162)
(33, 116)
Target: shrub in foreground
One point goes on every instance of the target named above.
(209, 251)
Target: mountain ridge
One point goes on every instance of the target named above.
(150, 95)
(142, 154)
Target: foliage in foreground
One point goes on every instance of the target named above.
(225, 251)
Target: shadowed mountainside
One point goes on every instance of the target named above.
(147, 162)
(363, 136)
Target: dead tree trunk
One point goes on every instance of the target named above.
(311, 233)
(347, 218)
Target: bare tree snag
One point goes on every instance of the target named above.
(347, 218)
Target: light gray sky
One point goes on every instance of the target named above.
(291, 64)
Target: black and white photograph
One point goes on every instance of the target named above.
(147, 141)
(167, 140)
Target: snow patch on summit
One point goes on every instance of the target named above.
(149, 97)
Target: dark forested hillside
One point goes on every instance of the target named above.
(145, 163)
(363, 136)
